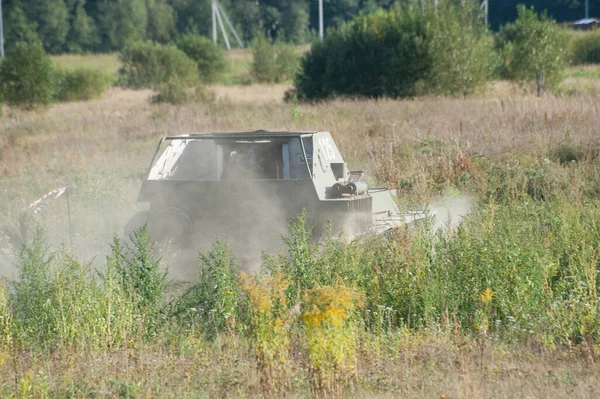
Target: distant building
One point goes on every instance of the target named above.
(584, 24)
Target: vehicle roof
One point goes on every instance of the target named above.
(242, 135)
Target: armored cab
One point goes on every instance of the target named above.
(245, 187)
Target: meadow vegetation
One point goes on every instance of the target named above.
(505, 305)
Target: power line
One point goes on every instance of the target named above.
(218, 14)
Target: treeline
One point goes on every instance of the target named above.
(75, 26)
(432, 47)
(178, 72)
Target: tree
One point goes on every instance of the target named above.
(161, 21)
(150, 65)
(52, 22)
(82, 32)
(461, 50)
(385, 53)
(247, 15)
(209, 57)
(285, 19)
(536, 53)
(17, 28)
(27, 77)
(272, 62)
(193, 16)
(122, 22)
(294, 19)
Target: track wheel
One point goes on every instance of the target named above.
(170, 224)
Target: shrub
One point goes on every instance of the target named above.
(149, 65)
(26, 76)
(331, 337)
(461, 50)
(139, 271)
(273, 63)
(270, 323)
(215, 298)
(177, 93)
(585, 48)
(535, 50)
(209, 57)
(32, 290)
(385, 53)
(6, 328)
(81, 84)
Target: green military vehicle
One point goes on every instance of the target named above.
(245, 187)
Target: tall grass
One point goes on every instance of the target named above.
(508, 302)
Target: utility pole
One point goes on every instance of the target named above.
(214, 20)
(218, 14)
(225, 37)
(587, 9)
(1, 33)
(485, 4)
(321, 19)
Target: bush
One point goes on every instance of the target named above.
(149, 65)
(385, 53)
(26, 76)
(176, 93)
(273, 63)
(215, 298)
(534, 50)
(81, 84)
(585, 48)
(462, 51)
(209, 57)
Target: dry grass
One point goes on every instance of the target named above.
(251, 94)
(400, 365)
(102, 148)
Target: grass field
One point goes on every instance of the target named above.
(238, 72)
(506, 306)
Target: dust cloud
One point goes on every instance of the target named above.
(450, 210)
(8, 257)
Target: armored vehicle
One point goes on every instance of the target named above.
(245, 187)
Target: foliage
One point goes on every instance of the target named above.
(302, 268)
(161, 21)
(270, 322)
(150, 65)
(209, 57)
(26, 76)
(80, 84)
(83, 34)
(215, 297)
(585, 48)
(463, 58)
(140, 273)
(6, 328)
(17, 28)
(535, 50)
(375, 55)
(122, 22)
(51, 17)
(176, 93)
(331, 337)
(272, 63)
(77, 26)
